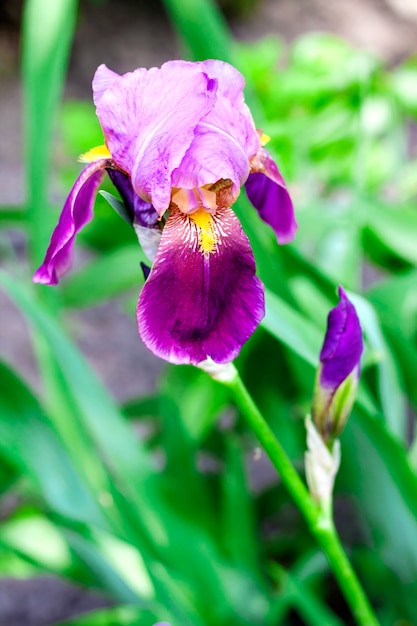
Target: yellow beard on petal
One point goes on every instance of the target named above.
(95, 154)
(206, 234)
(265, 139)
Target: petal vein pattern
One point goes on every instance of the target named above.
(227, 135)
(199, 303)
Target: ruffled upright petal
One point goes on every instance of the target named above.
(202, 298)
(77, 212)
(268, 193)
(225, 139)
(230, 112)
(149, 118)
(213, 155)
(103, 79)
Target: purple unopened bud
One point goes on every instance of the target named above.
(338, 373)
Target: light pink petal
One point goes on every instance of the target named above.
(231, 113)
(103, 79)
(213, 155)
(149, 119)
(225, 139)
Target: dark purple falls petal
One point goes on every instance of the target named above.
(77, 212)
(343, 344)
(196, 305)
(268, 193)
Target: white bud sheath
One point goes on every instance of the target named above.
(149, 239)
(223, 372)
(321, 465)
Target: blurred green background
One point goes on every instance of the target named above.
(185, 521)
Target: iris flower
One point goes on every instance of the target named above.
(339, 370)
(179, 144)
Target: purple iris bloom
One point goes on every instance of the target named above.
(180, 143)
(338, 373)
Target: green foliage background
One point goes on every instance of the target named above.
(202, 548)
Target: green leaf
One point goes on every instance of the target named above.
(295, 593)
(122, 616)
(142, 407)
(28, 442)
(12, 215)
(199, 398)
(396, 229)
(202, 28)
(79, 127)
(334, 238)
(403, 82)
(35, 538)
(123, 455)
(45, 52)
(118, 206)
(376, 473)
(390, 383)
(105, 277)
(292, 328)
(238, 523)
(105, 559)
(395, 299)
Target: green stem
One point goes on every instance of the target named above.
(319, 522)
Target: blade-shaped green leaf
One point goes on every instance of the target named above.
(123, 455)
(295, 593)
(12, 215)
(376, 473)
(292, 328)
(45, 51)
(238, 523)
(396, 228)
(390, 384)
(105, 277)
(118, 206)
(38, 541)
(110, 577)
(28, 442)
(202, 28)
(120, 616)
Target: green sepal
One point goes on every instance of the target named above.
(331, 410)
(118, 206)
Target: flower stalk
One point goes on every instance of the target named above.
(319, 519)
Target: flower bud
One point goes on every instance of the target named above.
(338, 373)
